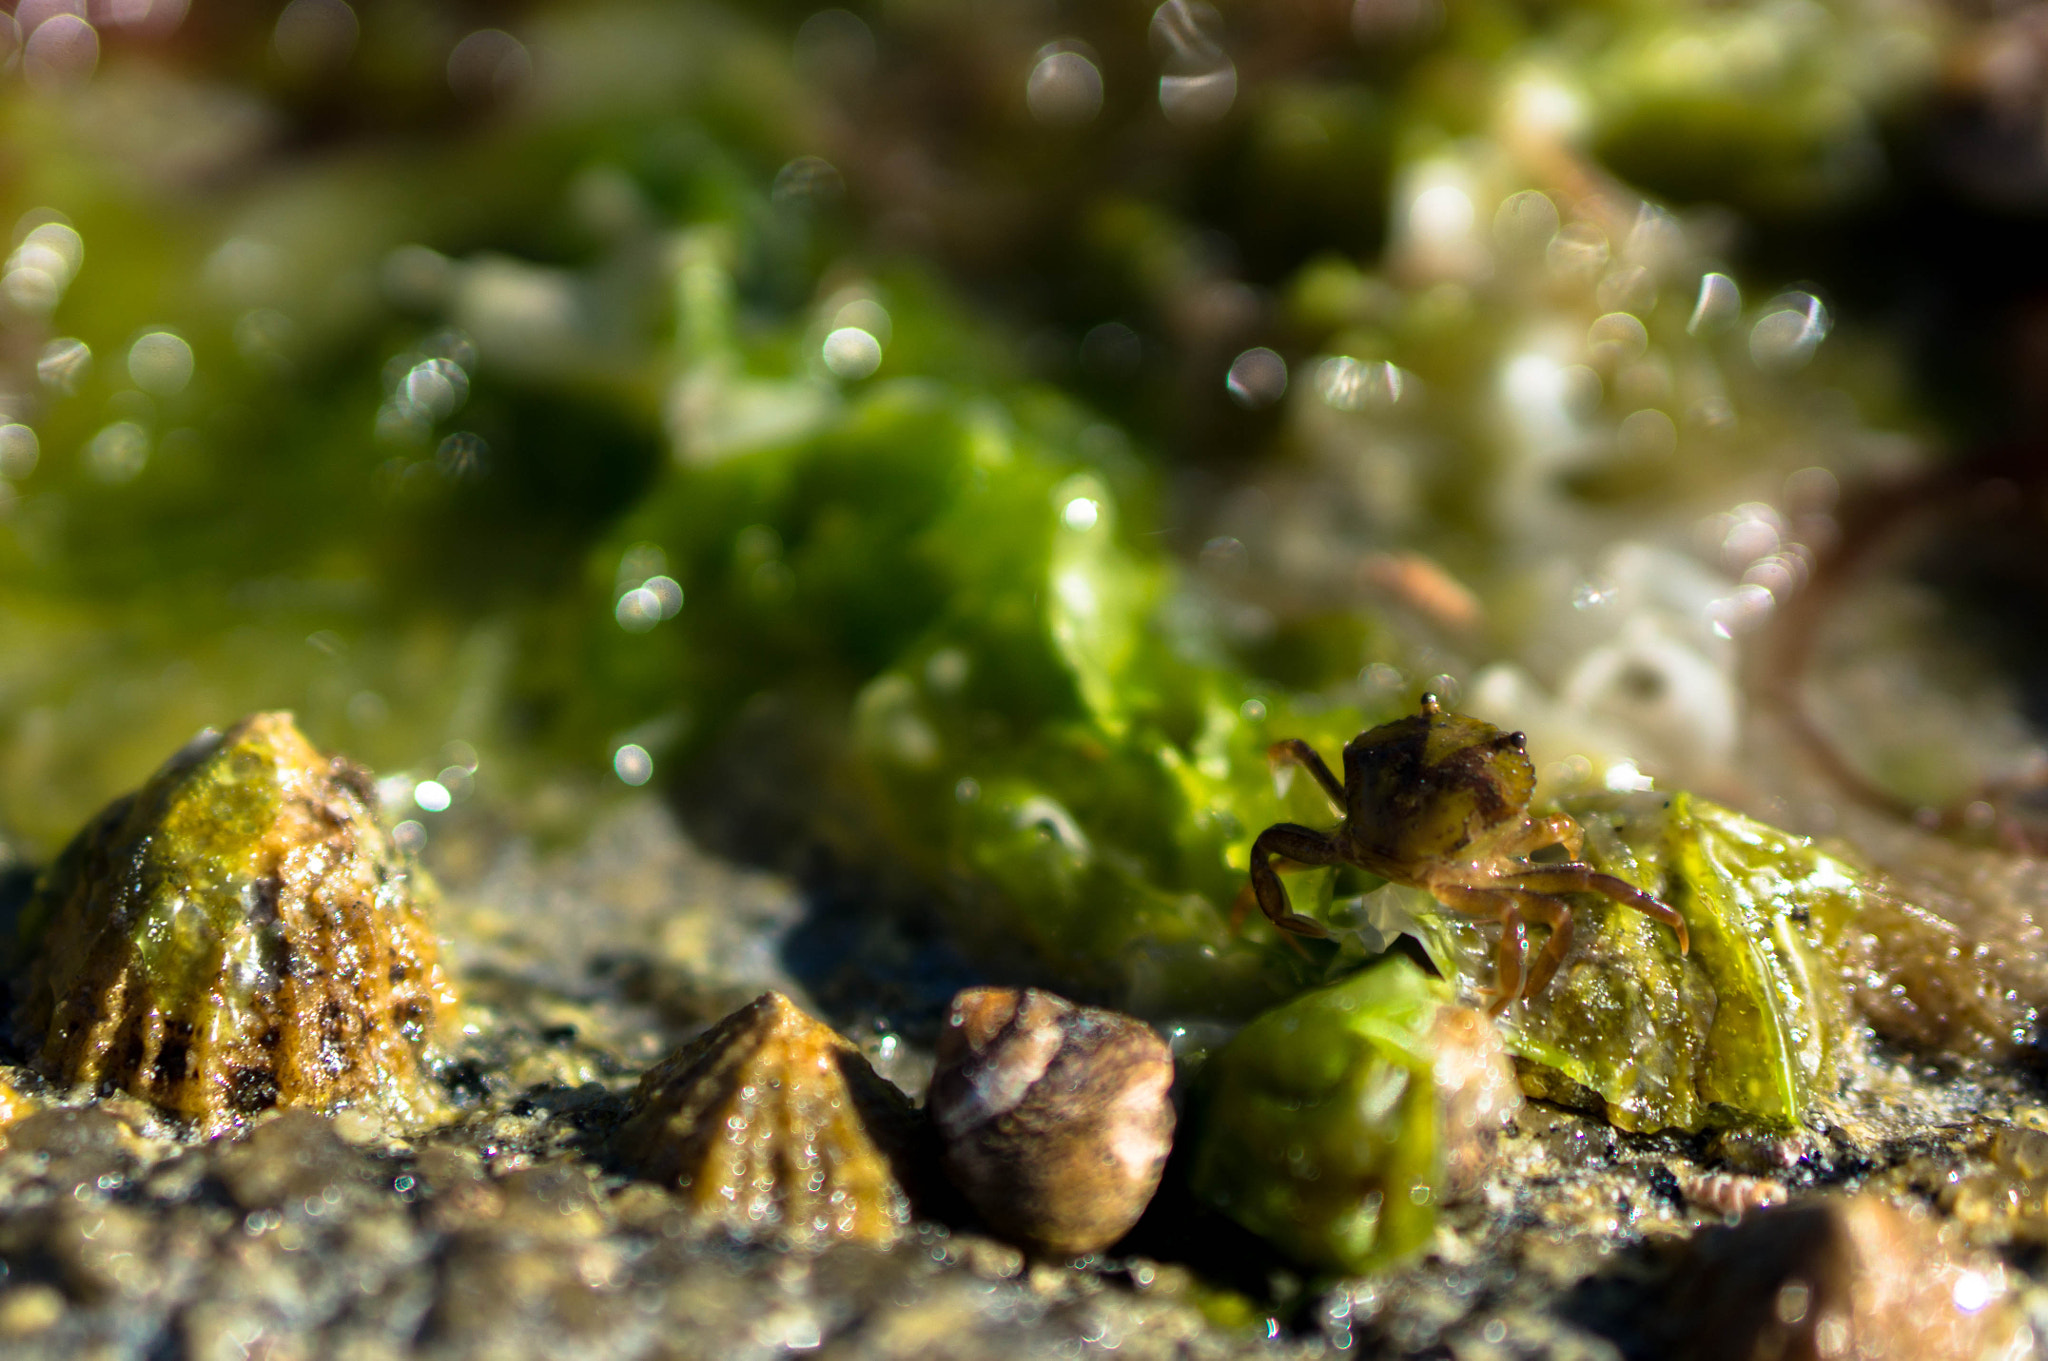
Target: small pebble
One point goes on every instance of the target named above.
(1840, 1276)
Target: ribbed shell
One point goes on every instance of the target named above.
(238, 934)
(772, 1125)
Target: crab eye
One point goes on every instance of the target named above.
(1430, 707)
(1519, 740)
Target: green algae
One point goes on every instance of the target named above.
(1749, 1027)
(1316, 1126)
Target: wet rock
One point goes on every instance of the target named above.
(1840, 1277)
(1055, 1118)
(297, 1162)
(77, 1146)
(238, 934)
(771, 1125)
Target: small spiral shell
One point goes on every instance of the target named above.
(1055, 1118)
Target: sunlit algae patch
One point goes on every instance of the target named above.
(772, 1126)
(237, 934)
(1318, 1124)
(1749, 1027)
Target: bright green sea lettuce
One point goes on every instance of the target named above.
(1316, 1126)
(1748, 1027)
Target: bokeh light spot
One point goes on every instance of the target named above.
(160, 363)
(632, 764)
(852, 353)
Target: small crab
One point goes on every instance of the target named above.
(1440, 801)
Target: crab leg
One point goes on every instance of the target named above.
(1304, 846)
(1577, 878)
(1556, 830)
(1498, 903)
(1294, 751)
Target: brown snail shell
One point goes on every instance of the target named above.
(1055, 1118)
(772, 1125)
(238, 934)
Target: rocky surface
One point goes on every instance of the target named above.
(513, 1232)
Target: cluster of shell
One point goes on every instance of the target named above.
(238, 934)
(1054, 1122)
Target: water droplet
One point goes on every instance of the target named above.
(463, 456)
(1578, 251)
(1524, 223)
(668, 591)
(19, 451)
(1257, 379)
(160, 363)
(852, 353)
(1065, 86)
(61, 53)
(1647, 434)
(64, 364)
(489, 64)
(1788, 333)
(118, 452)
(632, 764)
(1593, 592)
(435, 387)
(313, 35)
(808, 182)
(1719, 305)
(638, 610)
(1616, 339)
(1199, 83)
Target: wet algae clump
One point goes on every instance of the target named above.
(1319, 1122)
(1750, 1027)
(239, 933)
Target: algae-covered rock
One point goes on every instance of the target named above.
(238, 934)
(1749, 1026)
(772, 1125)
(1318, 1124)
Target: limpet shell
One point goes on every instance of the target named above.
(1055, 1118)
(772, 1125)
(238, 934)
